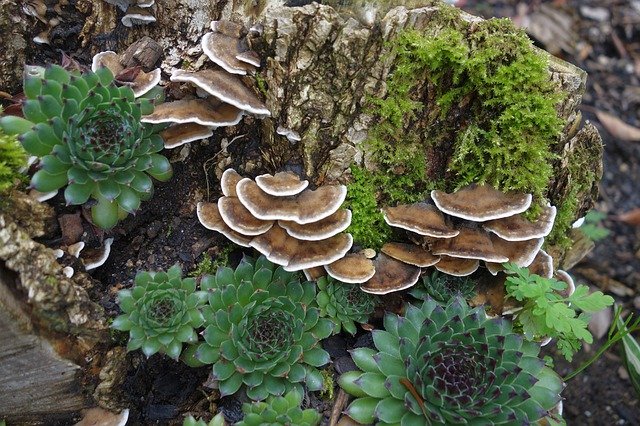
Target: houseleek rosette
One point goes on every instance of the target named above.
(443, 287)
(344, 304)
(279, 410)
(449, 365)
(161, 312)
(89, 137)
(262, 331)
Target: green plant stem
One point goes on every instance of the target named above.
(612, 339)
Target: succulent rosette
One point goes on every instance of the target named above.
(443, 287)
(279, 410)
(161, 312)
(89, 137)
(344, 304)
(262, 331)
(449, 365)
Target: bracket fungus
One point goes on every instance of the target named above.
(455, 232)
(137, 12)
(140, 82)
(297, 228)
(224, 97)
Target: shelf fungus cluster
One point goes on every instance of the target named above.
(141, 82)
(282, 218)
(222, 97)
(456, 232)
(91, 258)
(136, 12)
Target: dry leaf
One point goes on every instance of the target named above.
(632, 217)
(618, 128)
(600, 323)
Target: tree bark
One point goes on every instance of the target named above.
(321, 67)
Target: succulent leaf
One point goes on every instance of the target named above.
(279, 410)
(158, 315)
(84, 125)
(344, 304)
(459, 368)
(269, 344)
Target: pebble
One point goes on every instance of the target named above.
(599, 14)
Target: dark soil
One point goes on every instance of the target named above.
(166, 231)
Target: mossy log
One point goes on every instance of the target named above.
(321, 68)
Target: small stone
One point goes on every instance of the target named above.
(623, 373)
(587, 413)
(599, 14)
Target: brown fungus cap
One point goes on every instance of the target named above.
(228, 28)
(306, 207)
(238, 218)
(354, 268)
(542, 264)
(521, 253)
(209, 217)
(249, 57)
(421, 218)
(95, 257)
(137, 16)
(315, 273)
(561, 275)
(206, 112)
(470, 243)
(323, 228)
(222, 50)
(281, 184)
(228, 182)
(295, 255)
(224, 86)
(410, 253)
(480, 203)
(140, 84)
(518, 228)
(390, 275)
(181, 134)
(457, 266)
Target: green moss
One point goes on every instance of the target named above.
(327, 385)
(367, 224)
(581, 178)
(12, 159)
(465, 104)
(262, 84)
(208, 266)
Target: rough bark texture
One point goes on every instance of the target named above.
(49, 326)
(321, 67)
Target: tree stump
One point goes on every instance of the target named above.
(321, 68)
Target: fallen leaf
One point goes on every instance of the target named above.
(632, 217)
(618, 128)
(600, 323)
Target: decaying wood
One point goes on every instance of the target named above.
(320, 67)
(49, 327)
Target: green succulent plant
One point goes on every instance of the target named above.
(279, 410)
(443, 287)
(262, 330)
(161, 312)
(88, 135)
(344, 304)
(449, 365)
(218, 420)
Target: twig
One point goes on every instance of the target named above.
(205, 166)
(338, 405)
